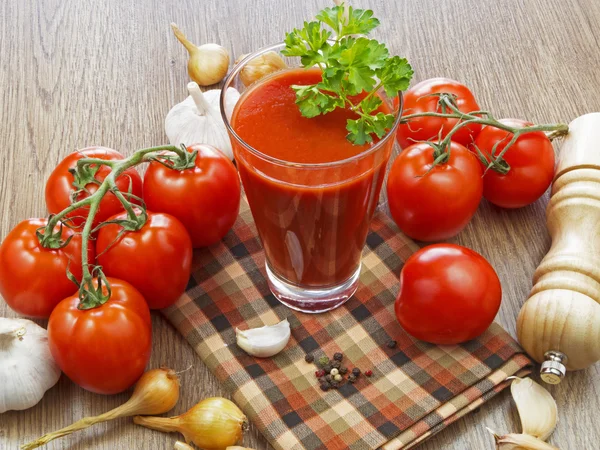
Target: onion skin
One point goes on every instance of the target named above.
(213, 424)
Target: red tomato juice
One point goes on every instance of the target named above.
(312, 216)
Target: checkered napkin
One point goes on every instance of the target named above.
(416, 388)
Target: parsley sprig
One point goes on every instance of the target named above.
(351, 64)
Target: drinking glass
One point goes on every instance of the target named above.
(312, 219)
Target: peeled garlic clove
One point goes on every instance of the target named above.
(182, 446)
(537, 409)
(264, 341)
(237, 447)
(515, 441)
(260, 66)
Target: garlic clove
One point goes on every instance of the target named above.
(237, 447)
(266, 341)
(260, 66)
(537, 409)
(515, 441)
(182, 446)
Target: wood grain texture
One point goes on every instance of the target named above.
(81, 72)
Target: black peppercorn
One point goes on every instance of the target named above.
(327, 368)
(356, 371)
(338, 356)
(336, 364)
(343, 370)
(391, 344)
(351, 378)
(328, 378)
(322, 380)
(325, 387)
(309, 358)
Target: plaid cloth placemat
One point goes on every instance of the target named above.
(416, 388)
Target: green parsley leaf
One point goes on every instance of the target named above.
(351, 65)
(370, 104)
(312, 102)
(358, 21)
(395, 75)
(360, 130)
(357, 132)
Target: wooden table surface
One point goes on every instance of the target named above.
(80, 72)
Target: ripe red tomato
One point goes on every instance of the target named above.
(448, 294)
(206, 198)
(418, 99)
(156, 259)
(531, 161)
(439, 204)
(33, 279)
(103, 349)
(59, 187)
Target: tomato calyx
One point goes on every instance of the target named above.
(84, 174)
(491, 161)
(91, 295)
(180, 160)
(49, 238)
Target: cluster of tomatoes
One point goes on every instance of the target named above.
(450, 294)
(106, 348)
(435, 203)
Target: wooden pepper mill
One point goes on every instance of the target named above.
(559, 325)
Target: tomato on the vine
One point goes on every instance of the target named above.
(448, 294)
(422, 98)
(33, 278)
(103, 349)
(529, 161)
(205, 198)
(60, 191)
(155, 259)
(434, 203)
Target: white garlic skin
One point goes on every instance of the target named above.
(185, 124)
(264, 342)
(27, 369)
(537, 409)
(514, 441)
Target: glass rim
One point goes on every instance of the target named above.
(236, 70)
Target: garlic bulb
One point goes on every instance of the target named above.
(515, 441)
(264, 341)
(27, 369)
(260, 66)
(537, 409)
(197, 119)
(208, 64)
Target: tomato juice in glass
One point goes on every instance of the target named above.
(312, 193)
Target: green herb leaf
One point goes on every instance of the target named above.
(370, 104)
(395, 75)
(351, 66)
(358, 21)
(312, 102)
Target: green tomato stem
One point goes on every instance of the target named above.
(495, 162)
(89, 296)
